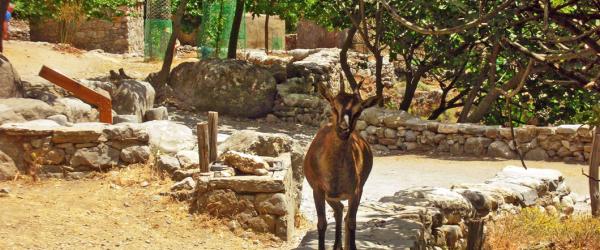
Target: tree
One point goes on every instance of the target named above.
(160, 79)
(520, 38)
(235, 29)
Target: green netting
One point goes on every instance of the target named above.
(217, 21)
(157, 33)
(277, 43)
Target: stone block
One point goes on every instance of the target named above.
(448, 128)
(159, 113)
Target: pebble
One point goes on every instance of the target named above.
(144, 184)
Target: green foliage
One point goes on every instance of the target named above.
(50, 8)
(289, 10)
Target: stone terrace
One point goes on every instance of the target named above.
(61, 151)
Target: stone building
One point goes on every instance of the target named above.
(116, 34)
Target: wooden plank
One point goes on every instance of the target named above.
(213, 130)
(102, 102)
(202, 130)
(595, 175)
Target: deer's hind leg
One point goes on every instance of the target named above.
(338, 212)
(319, 197)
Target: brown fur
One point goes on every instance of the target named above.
(337, 165)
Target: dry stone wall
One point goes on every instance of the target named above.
(53, 150)
(260, 203)
(392, 131)
(117, 34)
(297, 100)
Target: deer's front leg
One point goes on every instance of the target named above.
(338, 212)
(350, 232)
(319, 197)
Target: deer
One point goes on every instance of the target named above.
(338, 163)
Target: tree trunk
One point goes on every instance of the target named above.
(3, 9)
(595, 175)
(267, 34)
(443, 104)
(437, 112)
(378, 78)
(235, 29)
(486, 104)
(160, 79)
(490, 69)
(409, 92)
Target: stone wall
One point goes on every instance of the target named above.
(392, 131)
(62, 151)
(297, 100)
(18, 30)
(260, 203)
(311, 36)
(117, 34)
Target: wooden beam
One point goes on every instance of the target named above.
(202, 131)
(102, 102)
(213, 130)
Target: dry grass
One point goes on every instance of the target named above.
(533, 229)
(117, 209)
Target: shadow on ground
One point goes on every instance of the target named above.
(375, 229)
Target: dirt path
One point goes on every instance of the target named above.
(393, 173)
(28, 58)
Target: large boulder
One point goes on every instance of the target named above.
(35, 87)
(8, 169)
(169, 137)
(133, 98)
(23, 109)
(10, 82)
(75, 110)
(230, 87)
(256, 143)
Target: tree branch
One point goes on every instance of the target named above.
(582, 80)
(445, 31)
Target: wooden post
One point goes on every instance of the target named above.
(213, 130)
(476, 236)
(594, 174)
(202, 130)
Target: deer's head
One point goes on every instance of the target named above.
(346, 108)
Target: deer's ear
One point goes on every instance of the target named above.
(370, 102)
(325, 93)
